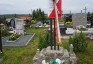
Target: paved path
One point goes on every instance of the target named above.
(22, 41)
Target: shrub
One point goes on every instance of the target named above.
(79, 42)
(5, 32)
(14, 36)
(44, 40)
(33, 21)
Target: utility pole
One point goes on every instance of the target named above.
(32, 13)
(70, 12)
(81, 11)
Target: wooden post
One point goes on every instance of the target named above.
(0, 40)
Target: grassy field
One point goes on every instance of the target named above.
(24, 55)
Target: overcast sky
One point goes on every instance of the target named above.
(25, 6)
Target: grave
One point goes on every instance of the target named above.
(79, 19)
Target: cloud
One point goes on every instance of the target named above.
(77, 5)
(25, 6)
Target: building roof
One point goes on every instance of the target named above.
(25, 18)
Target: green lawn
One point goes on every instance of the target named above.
(24, 55)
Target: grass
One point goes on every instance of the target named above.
(84, 57)
(24, 55)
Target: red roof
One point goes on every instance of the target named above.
(25, 18)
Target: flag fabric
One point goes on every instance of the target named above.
(58, 38)
(57, 13)
(59, 7)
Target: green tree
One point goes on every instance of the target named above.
(38, 14)
(79, 42)
(88, 14)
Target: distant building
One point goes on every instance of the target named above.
(25, 18)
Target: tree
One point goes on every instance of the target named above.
(88, 15)
(38, 15)
(33, 14)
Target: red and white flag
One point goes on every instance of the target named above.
(59, 9)
(57, 13)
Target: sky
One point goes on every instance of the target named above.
(27, 6)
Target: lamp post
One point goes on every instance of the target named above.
(1, 37)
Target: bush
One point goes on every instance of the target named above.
(33, 22)
(79, 42)
(44, 40)
(5, 32)
(14, 36)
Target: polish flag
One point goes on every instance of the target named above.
(59, 7)
(57, 13)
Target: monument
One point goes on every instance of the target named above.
(46, 56)
(16, 25)
(12, 23)
(79, 19)
(19, 24)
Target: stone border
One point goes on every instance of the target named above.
(33, 34)
(30, 39)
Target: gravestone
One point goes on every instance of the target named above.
(79, 19)
(19, 24)
(12, 23)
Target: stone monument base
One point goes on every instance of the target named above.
(47, 54)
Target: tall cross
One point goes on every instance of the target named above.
(85, 9)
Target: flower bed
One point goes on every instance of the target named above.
(14, 37)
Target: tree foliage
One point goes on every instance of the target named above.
(44, 40)
(79, 42)
(38, 14)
